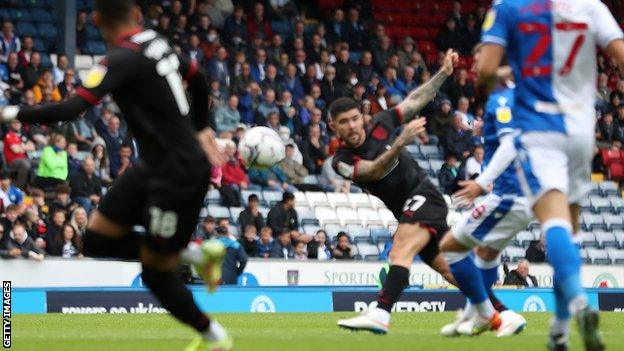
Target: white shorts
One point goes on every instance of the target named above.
(493, 222)
(553, 161)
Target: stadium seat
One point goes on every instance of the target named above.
(203, 213)
(234, 212)
(365, 250)
(413, 149)
(619, 237)
(595, 190)
(598, 256)
(48, 31)
(358, 233)
(588, 239)
(312, 229)
(616, 256)
(271, 197)
(431, 151)
(45, 61)
(376, 202)
(26, 29)
(359, 200)
(233, 230)
(347, 215)
(338, 199)
(19, 15)
(617, 204)
(264, 210)
(593, 221)
(380, 235)
(83, 61)
(369, 217)
(585, 256)
(609, 188)
(218, 211)
(213, 197)
(436, 165)
(600, 204)
(424, 164)
(585, 204)
(306, 215)
(326, 215)
(317, 198)
(613, 222)
(525, 237)
(300, 199)
(42, 15)
(606, 239)
(387, 217)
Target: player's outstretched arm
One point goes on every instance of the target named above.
(369, 171)
(67, 110)
(420, 97)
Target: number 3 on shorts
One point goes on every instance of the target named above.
(414, 203)
(163, 223)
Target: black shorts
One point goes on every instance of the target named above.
(426, 206)
(166, 205)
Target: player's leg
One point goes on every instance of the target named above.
(408, 240)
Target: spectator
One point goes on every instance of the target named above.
(330, 180)
(227, 117)
(273, 122)
(330, 91)
(67, 87)
(38, 202)
(292, 83)
(450, 37)
(406, 51)
(62, 200)
(458, 138)
(265, 244)
(53, 167)
(365, 70)
(603, 89)
(520, 276)
(276, 49)
(101, 163)
(310, 78)
(449, 174)
(409, 79)
(249, 241)
(113, 137)
(26, 52)
(300, 251)
(343, 249)
(10, 42)
(33, 72)
(379, 101)
(81, 31)
(9, 193)
(82, 132)
(126, 159)
(289, 116)
(218, 67)
(233, 172)
(394, 86)
(35, 226)
(86, 186)
(16, 146)
(471, 33)
(441, 120)
(284, 134)
(195, 51)
(235, 258)
(11, 217)
(207, 230)
(295, 172)
(79, 220)
(25, 244)
(343, 66)
(266, 107)
(335, 27)
(607, 130)
(462, 108)
(536, 252)
(257, 25)
(382, 54)
(68, 244)
(319, 248)
(283, 216)
(456, 14)
(7, 249)
(314, 150)
(58, 71)
(234, 29)
(461, 88)
(282, 247)
(251, 215)
(284, 9)
(240, 83)
(474, 164)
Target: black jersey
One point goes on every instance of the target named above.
(395, 187)
(145, 77)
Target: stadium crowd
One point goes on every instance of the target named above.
(261, 74)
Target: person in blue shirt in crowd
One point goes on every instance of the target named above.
(265, 244)
(9, 192)
(235, 258)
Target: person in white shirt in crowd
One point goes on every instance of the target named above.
(474, 163)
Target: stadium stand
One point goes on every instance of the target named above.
(417, 31)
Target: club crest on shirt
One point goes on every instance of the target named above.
(379, 133)
(503, 114)
(489, 20)
(95, 76)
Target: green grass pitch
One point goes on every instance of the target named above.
(277, 332)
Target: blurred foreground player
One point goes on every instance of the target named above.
(166, 191)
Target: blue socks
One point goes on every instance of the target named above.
(564, 257)
(470, 280)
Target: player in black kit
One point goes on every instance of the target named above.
(165, 192)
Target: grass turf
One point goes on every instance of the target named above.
(277, 332)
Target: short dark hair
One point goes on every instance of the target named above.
(253, 197)
(341, 234)
(287, 196)
(62, 189)
(209, 219)
(341, 105)
(114, 11)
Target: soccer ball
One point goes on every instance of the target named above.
(261, 147)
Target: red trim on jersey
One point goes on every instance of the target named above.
(356, 160)
(398, 112)
(129, 45)
(429, 228)
(122, 40)
(87, 96)
(192, 70)
(128, 34)
(570, 26)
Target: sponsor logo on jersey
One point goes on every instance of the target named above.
(534, 303)
(503, 114)
(95, 76)
(262, 304)
(489, 20)
(478, 212)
